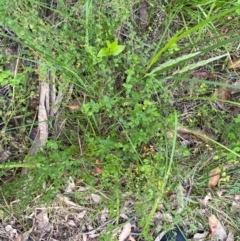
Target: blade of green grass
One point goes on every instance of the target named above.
(198, 64)
(173, 62)
(165, 179)
(178, 36)
(209, 82)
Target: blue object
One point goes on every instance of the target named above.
(176, 234)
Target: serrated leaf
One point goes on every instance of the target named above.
(118, 50)
(103, 52)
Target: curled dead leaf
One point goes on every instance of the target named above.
(214, 177)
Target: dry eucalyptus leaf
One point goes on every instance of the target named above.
(4, 155)
(11, 231)
(92, 236)
(84, 237)
(234, 64)
(67, 201)
(233, 90)
(223, 93)
(104, 215)
(83, 189)
(160, 236)
(143, 13)
(217, 230)
(203, 74)
(123, 215)
(230, 237)
(26, 235)
(71, 185)
(219, 193)
(235, 204)
(75, 105)
(131, 238)
(167, 217)
(72, 223)
(96, 198)
(82, 214)
(206, 200)
(42, 220)
(200, 236)
(214, 177)
(18, 238)
(125, 232)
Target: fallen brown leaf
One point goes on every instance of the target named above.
(96, 198)
(213, 222)
(214, 177)
(70, 186)
(125, 232)
(11, 232)
(143, 14)
(202, 74)
(223, 93)
(235, 91)
(230, 237)
(206, 200)
(42, 220)
(131, 238)
(26, 235)
(74, 105)
(200, 236)
(217, 230)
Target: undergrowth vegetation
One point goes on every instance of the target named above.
(145, 109)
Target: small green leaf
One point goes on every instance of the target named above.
(109, 44)
(104, 52)
(114, 46)
(118, 50)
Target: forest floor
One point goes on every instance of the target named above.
(119, 120)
